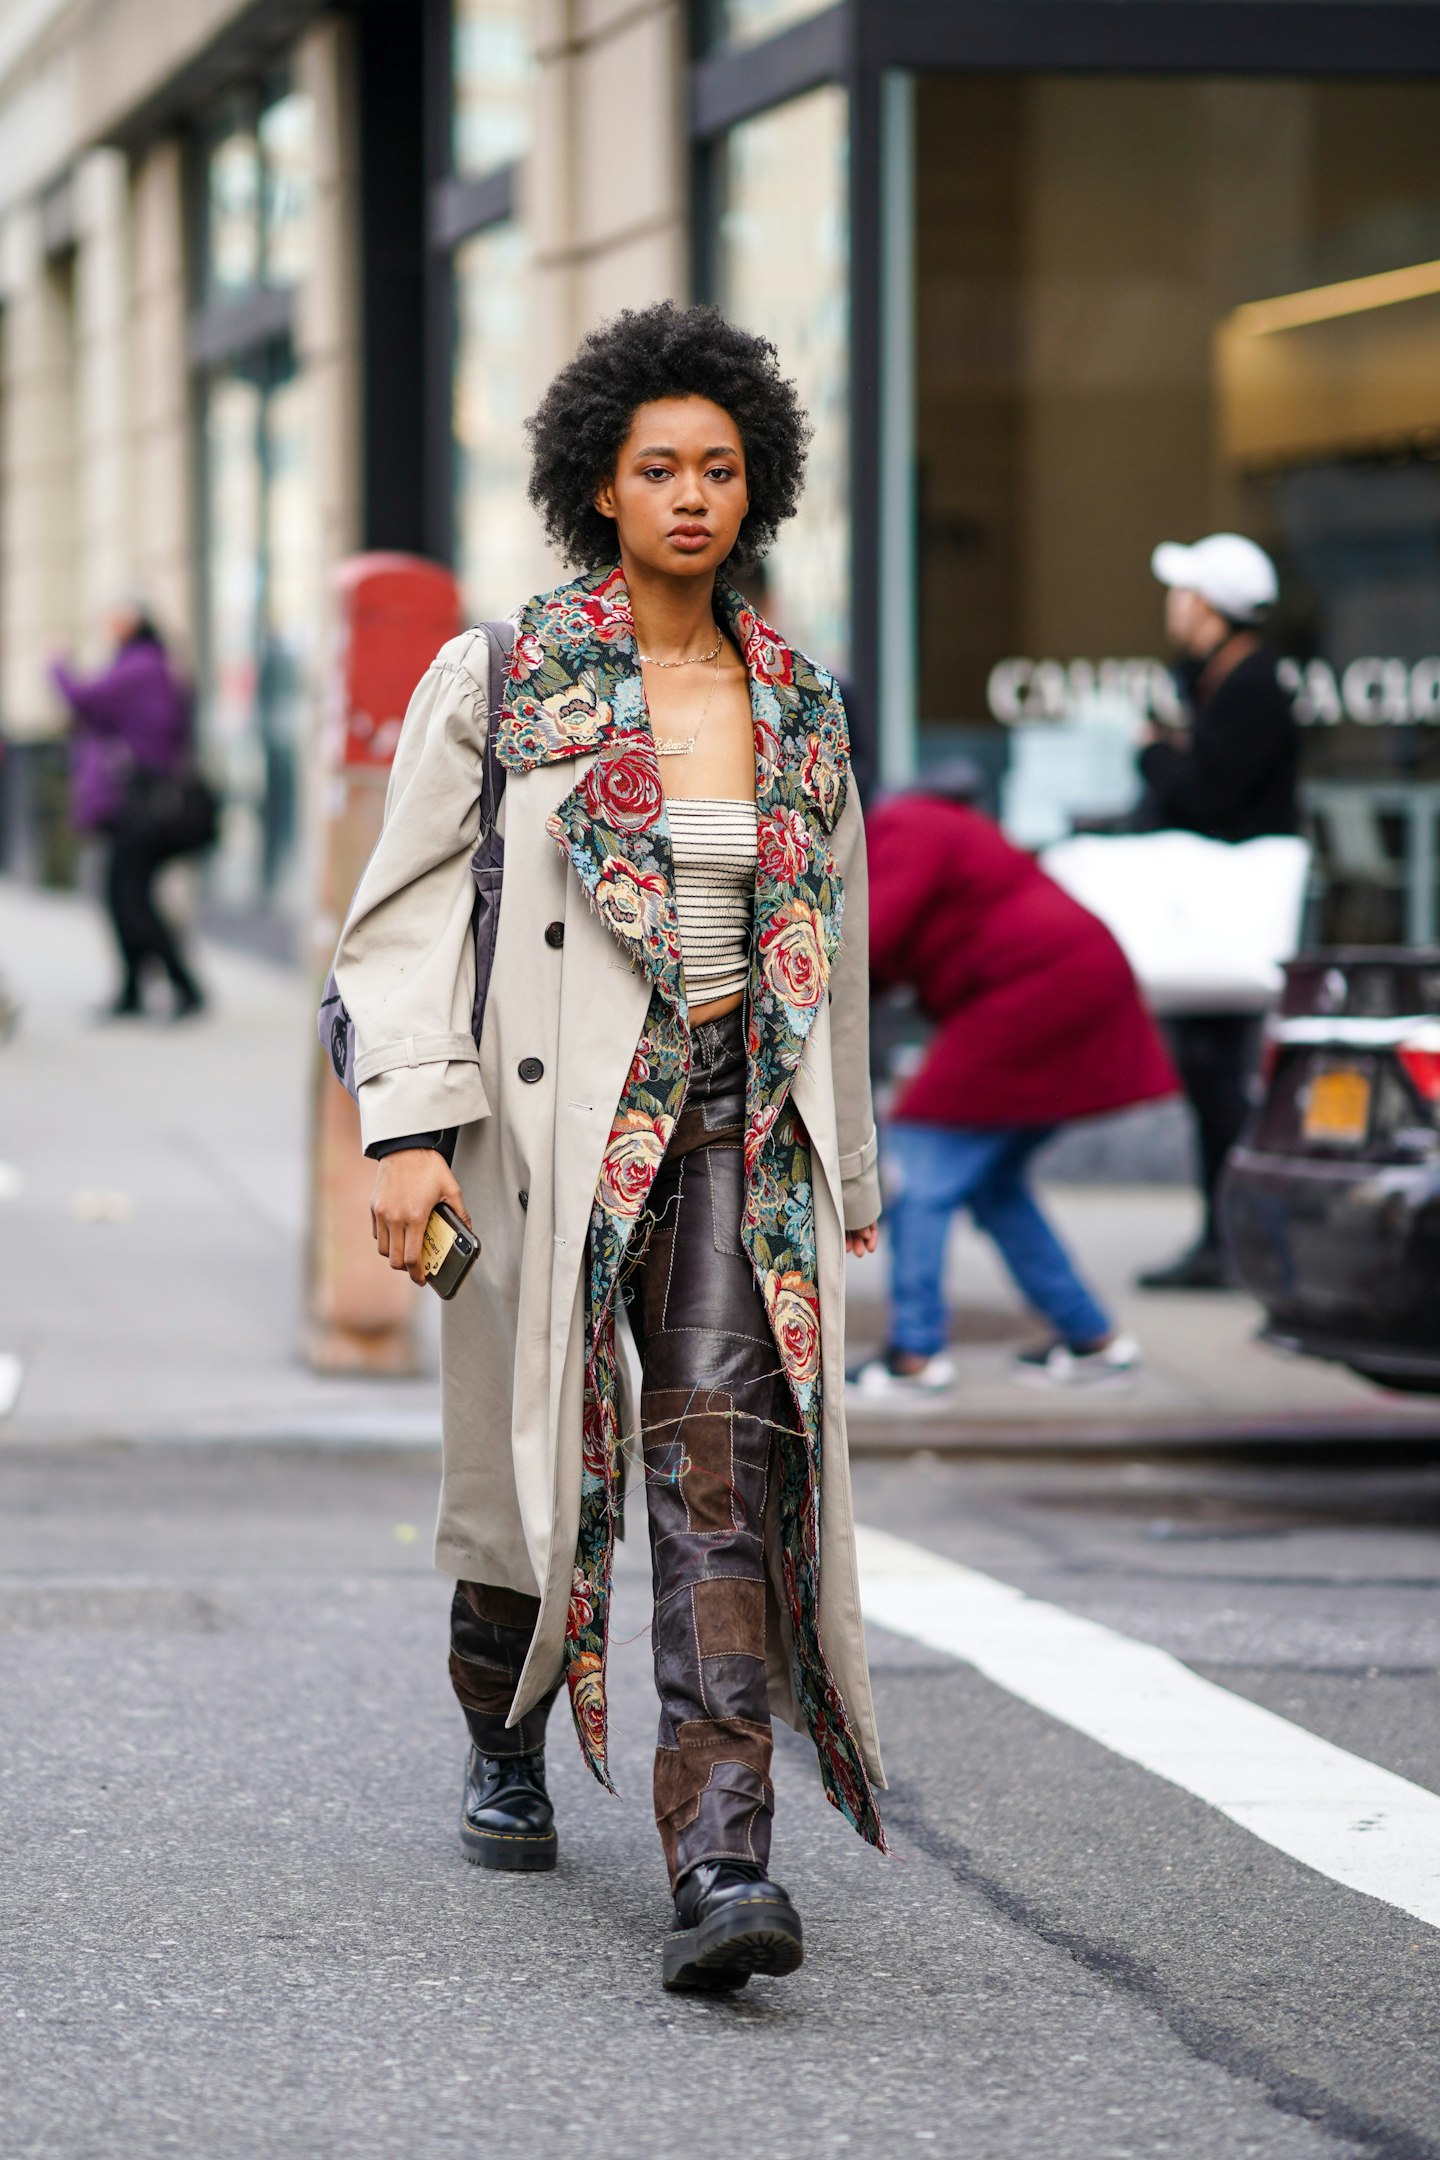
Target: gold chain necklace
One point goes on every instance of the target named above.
(694, 659)
(673, 746)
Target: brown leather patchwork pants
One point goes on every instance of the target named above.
(712, 1393)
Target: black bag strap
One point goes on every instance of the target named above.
(499, 644)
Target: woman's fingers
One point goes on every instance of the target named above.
(453, 1197)
(414, 1247)
(408, 1186)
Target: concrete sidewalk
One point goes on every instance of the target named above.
(151, 1250)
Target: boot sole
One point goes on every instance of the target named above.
(750, 1935)
(511, 1852)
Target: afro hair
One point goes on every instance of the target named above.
(665, 351)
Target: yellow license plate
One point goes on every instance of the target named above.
(1337, 1106)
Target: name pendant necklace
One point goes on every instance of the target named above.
(674, 745)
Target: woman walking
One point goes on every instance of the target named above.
(668, 1116)
(131, 730)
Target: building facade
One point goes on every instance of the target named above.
(1058, 279)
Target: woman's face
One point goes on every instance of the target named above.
(678, 492)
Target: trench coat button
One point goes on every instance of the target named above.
(555, 935)
(531, 1070)
(524, 1199)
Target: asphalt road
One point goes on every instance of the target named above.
(234, 1919)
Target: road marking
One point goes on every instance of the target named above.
(12, 1372)
(1334, 1812)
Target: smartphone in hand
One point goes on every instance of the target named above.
(449, 1250)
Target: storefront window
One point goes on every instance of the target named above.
(286, 150)
(1151, 308)
(492, 69)
(233, 596)
(499, 554)
(784, 271)
(258, 181)
(261, 595)
(746, 22)
(233, 221)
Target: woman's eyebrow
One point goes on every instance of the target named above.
(668, 450)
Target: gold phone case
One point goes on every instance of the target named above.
(449, 1251)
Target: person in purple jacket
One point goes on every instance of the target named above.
(132, 723)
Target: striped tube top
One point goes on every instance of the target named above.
(712, 839)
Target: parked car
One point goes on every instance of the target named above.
(1332, 1201)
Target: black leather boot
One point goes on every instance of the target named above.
(506, 1820)
(730, 1921)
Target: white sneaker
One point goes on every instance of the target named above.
(875, 1382)
(1062, 1365)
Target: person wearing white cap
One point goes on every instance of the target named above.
(1233, 775)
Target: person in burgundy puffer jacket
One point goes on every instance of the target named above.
(1037, 1021)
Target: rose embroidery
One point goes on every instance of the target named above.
(629, 899)
(586, 1676)
(821, 775)
(794, 1308)
(633, 1154)
(526, 655)
(623, 790)
(793, 957)
(758, 1134)
(768, 658)
(767, 744)
(782, 843)
(582, 1605)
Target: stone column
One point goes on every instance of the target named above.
(39, 598)
(104, 560)
(162, 564)
(327, 321)
(605, 202)
(37, 477)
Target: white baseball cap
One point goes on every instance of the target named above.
(1236, 577)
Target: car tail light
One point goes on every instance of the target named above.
(1420, 1062)
(1269, 1057)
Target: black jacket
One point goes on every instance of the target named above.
(1237, 776)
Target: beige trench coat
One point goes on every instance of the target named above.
(529, 1153)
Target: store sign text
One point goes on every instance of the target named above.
(1373, 692)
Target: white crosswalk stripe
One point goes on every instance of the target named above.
(12, 1372)
(1335, 1812)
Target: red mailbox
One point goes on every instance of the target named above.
(392, 614)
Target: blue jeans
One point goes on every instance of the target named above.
(936, 1169)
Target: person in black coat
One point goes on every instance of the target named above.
(1232, 775)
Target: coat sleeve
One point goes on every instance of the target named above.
(850, 1028)
(406, 960)
(98, 702)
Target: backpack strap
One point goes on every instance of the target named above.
(499, 644)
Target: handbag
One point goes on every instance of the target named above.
(334, 1025)
(170, 813)
(1206, 925)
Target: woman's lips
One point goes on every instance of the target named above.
(689, 538)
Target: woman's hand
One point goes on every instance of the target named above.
(863, 1241)
(408, 1185)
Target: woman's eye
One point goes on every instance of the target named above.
(721, 472)
(656, 472)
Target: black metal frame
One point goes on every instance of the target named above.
(856, 41)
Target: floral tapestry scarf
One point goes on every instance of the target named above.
(574, 689)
